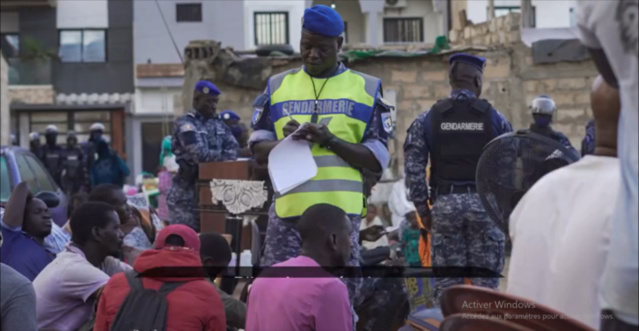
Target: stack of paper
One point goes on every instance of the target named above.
(291, 164)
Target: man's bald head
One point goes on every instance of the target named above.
(325, 231)
(606, 105)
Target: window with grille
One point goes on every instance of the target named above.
(271, 28)
(403, 30)
(188, 12)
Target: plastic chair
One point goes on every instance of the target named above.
(475, 322)
(466, 299)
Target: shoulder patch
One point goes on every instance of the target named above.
(187, 127)
(387, 122)
(257, 115)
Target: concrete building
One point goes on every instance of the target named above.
(545, 14)
(71, 64)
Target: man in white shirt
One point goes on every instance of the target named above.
(610, 30)
(67, 288)
(561, 228)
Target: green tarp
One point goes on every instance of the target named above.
(441, 43)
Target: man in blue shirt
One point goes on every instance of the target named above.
(453, 133)
(25, 223)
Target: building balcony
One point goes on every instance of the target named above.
(15, 4)
(29, 72)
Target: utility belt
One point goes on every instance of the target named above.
(451, 188)
(188, 172)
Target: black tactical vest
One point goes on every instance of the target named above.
(53, 159)
(73, 159)
(461, 129)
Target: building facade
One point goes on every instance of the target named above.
(70, 64)
(545, 14)
(162, 30)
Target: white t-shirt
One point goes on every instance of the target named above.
(561, 234)
(64, 286)
(614, 27)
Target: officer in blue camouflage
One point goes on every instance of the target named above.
(588, 143)
(89, 149)
(453, 133)
(199, 136)
(321, 40)
(543, 110)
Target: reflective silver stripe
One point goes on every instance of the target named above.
(330, 161)
(371, 83)
(276, 80)
(327, 185)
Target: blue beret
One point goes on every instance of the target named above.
(475, 61)
(207, 87)
(229, 115)
(323, 20)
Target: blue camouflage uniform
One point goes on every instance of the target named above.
(555, 135)
(195, 140)
(564, 141)
(462, 233)
(588, 143)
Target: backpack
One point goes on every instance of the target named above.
(143, 309)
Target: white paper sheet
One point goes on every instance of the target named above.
(291, 164)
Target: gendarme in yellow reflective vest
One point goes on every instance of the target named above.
(345, 106)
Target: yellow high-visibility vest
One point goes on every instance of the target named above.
(345, 106)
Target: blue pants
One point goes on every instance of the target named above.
(182, 202)
(463, 235)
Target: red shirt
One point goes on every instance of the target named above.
(194, 306)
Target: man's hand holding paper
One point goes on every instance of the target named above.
(291, 162)
(290, 127)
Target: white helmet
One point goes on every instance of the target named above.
(543, 105)
(97, 127)
(51, 129)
